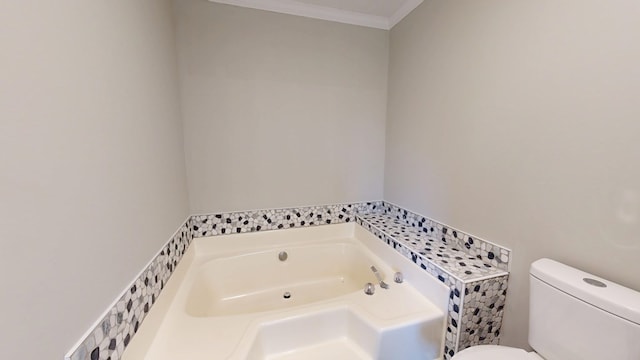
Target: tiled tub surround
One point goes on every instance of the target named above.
(109, 338)
(474, 315)
(474, 270)
(111, 335)
(489, 253)
(275, 219)
(225, 301)
(482, 312)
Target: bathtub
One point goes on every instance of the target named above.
(232, 297)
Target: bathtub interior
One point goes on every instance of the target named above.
(260, 281)
(340, 322)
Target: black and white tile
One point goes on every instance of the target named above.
(276, 219)
(448, 255)
(108, 340)
(474, 270)
(112, 334)
(483, 312)
(489, 253)
(457, 259)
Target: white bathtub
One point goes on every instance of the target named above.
(226, 300)
(257, 281)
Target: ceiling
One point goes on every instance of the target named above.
(380, 14)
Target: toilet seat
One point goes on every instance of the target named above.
(495, 352)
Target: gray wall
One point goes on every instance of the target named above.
(518, 121)
(515, 121)
(279, 110)
(92, 180)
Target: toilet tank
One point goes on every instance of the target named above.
(571, 318)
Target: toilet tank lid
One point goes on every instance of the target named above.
(613, 298)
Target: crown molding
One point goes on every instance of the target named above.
(407, 7)
(293, 7)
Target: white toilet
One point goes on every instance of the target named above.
(573, 316)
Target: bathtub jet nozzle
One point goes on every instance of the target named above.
(283, 256)
(398, 277)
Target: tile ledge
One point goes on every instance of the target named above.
(493, 273)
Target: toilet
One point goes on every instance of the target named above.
(573, 315)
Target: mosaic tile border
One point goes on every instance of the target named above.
(481, 293)
(483, 311)
(109, 339)
(468, 310)
(275, 219)
(445, 255)
(489, 252)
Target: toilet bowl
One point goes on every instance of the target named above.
(594, 318)
(495, 352)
